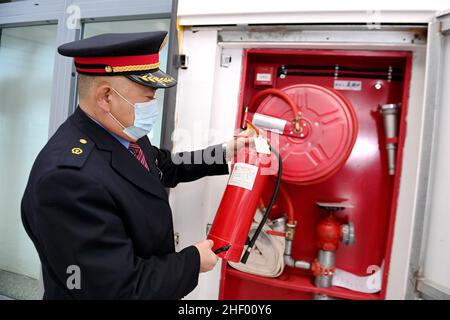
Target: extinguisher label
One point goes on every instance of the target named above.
(243, 175)
(261, 145)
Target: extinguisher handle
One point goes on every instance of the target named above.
(223, 249)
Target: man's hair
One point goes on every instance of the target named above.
(85, 84)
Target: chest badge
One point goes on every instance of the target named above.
(77, 151)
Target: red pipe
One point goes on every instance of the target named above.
(282, 95)
(289, 205)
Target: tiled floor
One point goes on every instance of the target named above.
(18, 286)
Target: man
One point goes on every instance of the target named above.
(95, 205)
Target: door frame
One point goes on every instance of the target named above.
(418, 287)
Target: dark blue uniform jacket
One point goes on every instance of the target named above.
(89, 203)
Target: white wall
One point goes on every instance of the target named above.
(206, 109)
(191, 203)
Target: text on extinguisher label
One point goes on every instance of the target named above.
(243, 175)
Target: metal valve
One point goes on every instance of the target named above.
(348, 234)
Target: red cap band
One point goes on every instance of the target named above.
(117, 64)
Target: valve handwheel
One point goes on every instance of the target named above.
(329, 130)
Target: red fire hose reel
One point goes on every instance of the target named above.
(317, 129)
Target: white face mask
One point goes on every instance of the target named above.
(145, 115)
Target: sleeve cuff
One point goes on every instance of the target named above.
(192, 268)
(217, 164)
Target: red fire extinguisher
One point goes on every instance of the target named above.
(234, 217)
(247, 181)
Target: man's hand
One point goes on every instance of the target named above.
(237, 143)
(207, 258)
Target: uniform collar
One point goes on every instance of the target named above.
(122, 161)
(123, 141)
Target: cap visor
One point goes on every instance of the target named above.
(154, 79)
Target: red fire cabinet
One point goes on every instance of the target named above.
(367, 79)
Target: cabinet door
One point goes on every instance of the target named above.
(430, 259)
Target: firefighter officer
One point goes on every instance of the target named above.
(95, 201)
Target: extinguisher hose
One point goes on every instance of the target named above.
(269, 208)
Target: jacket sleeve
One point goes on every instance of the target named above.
(190, 166)
(79, 224)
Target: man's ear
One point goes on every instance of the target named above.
(102, 96)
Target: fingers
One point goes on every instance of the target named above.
(250, 140)
(235, 145)
(208, 259)
(214, 259)
(239, 142)
(242, 138)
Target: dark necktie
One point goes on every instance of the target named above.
(138, 153)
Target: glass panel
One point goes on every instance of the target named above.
(95, 28)
(26, 68)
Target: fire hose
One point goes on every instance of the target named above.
(269, 208)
